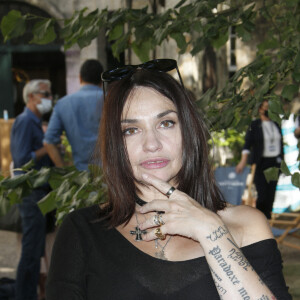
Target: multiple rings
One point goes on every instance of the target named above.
(158, 220)
(170, 191)
(159, 234)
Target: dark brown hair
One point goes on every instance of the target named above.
(195, 177)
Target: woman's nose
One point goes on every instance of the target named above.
(152, 141)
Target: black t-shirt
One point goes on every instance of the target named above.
(92, 262)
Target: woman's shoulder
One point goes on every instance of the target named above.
(250, 224)
(88, 215)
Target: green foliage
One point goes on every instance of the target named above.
(71, 189)
(193, 25)
(232, 140)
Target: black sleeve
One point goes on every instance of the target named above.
(266, 260)
(249, 138)
(66, 279)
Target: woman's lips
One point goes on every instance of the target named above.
(154, 163)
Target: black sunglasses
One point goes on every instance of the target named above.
(159, 65)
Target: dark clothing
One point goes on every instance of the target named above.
(92, 262)
(27, 137)
(33, 244)
(254, 141)
(265, 190)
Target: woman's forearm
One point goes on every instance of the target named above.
(233, 275)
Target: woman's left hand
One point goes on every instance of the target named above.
(182, 215)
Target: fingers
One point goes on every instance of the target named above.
(155, 205)
(154, 221)
(160, 185)
(157, 232)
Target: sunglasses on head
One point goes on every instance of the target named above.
(159, 65)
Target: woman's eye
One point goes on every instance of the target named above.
(167, 124)
(130, 131)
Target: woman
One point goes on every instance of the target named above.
(264, 140)
(165, 232)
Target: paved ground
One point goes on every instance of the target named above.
(10, 252)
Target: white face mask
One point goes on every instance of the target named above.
(45, 106)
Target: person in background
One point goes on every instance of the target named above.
(78, 115)
(165, 232)
(27, 144)
(264, 141)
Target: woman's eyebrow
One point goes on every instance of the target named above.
(160, 115)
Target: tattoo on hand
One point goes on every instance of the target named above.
(216, 253)
(217, 234)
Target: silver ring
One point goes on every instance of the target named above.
(170, 191)
(158, 220)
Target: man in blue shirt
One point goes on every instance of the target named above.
(26, 144)
(78, 115)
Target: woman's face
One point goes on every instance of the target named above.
(152, 134)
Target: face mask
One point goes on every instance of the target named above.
(266, 113)
(45, 106)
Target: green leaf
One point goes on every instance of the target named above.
(12, 183)
(116, 32)
(13, 25)
(4, 205)
(284, 168)
(40, 178)
(43, 32)
(271, 174)
(221, 40)
(296, 179)
(244, 34)
(180, 40)
(289, 91)
(276, 107)
(142, 51)
(28, 166)
(274, 117)
(15, 195)
(48, 203)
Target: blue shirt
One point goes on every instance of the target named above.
(79, 116)
(27, 137)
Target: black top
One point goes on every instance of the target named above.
(91, 262)
(254, 141)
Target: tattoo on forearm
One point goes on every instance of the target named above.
(259, 279)
(244, 294)
(217, 234)
(216, 253)
(220, 289)
(240, 258)
(264, 297)
(215, 274)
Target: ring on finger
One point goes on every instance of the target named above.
(170, 191)
(158, 220)
(159, 234)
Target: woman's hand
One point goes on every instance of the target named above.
(182, 214)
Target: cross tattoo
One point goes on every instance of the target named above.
(138, 232)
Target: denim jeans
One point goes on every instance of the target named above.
(33, 245)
